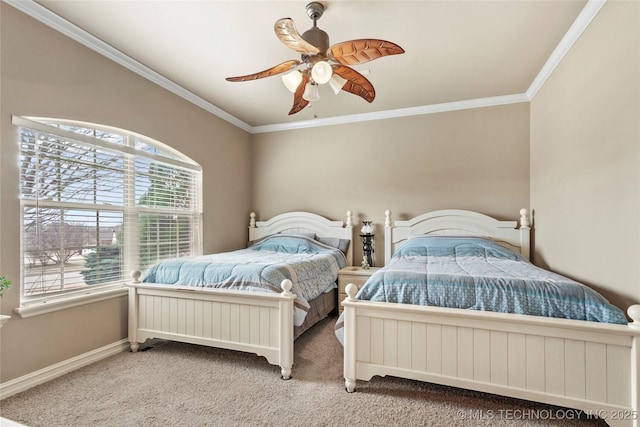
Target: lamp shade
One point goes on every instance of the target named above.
(311, 92)
(337, 83)
(292, 80)
(321, 72)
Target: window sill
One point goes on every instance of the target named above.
(49, 306)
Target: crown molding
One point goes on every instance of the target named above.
(399, 112)
(581, 23)
(45, 16)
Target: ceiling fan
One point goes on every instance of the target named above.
(321, 63)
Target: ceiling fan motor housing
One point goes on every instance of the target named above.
(318, 38)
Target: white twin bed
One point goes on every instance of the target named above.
(255, 322)
(578, 364)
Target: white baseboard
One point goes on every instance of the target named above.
(41, 376)
(4, 422)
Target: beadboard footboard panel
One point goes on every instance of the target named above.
(593, 367)
(258, 323)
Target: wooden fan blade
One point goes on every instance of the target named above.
(356, 84)
(287, 33)
(278, 69)
(363, 50)
(298, 101)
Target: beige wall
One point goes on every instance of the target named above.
(472, 159)
(585, 158)
(46, 74)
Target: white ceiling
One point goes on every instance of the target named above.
(456, 51)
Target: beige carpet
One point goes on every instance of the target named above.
(177, 384)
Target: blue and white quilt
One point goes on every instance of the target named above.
(479, 274)
(311, 266)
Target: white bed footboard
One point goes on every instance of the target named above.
(254, 322)
(584, 365)
(260, 323)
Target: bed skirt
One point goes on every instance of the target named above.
(320, 308)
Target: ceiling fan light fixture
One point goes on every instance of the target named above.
(337, 83)
(321, 72)
(311, 92)
(292, 80)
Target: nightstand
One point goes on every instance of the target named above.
(352, 274)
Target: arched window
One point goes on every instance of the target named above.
(98, 202)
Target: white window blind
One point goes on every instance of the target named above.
(98, 203)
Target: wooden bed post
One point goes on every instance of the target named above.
(133, 311)
(252, 226)
(349, 223)
(349, 234)
(286, 329)
(635, 379)
(525, 234)
(388, 224)
(634, 314)
(350, 340)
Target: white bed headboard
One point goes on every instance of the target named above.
(455, 222)
(303, 222)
